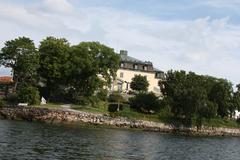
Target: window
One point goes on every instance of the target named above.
(145, 68)
(121, 75)
(135, 66)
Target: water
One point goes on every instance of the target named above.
(22, 140)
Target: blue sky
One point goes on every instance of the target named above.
(193, 35)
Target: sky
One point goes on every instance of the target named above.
(193, 35)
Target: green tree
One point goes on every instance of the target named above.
(145, 102)
(23, 58)
(221, 94)
(93, 66)
(54, 65)
(28, 94)
(139, 83)
(116, 98)
(187, 94)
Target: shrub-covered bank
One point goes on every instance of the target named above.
(60, 115)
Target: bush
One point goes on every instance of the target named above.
(12, 99)
(115, 98)
(29, 94)
(1, 103)
(145, 102)
(102, 94)
(116, 102)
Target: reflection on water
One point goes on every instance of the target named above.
(22, 140)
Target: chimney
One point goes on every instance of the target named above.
(123, 52)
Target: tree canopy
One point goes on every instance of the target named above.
(22, 57)
(139, 83)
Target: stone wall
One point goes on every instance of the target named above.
(61, 115)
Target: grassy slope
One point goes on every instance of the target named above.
(163, 116)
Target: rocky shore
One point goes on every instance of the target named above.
(68, 115)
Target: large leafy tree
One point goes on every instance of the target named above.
(139, 83)
(93, 66)
(22, 57)
(187, 94)
(221, 94)
(54, 64)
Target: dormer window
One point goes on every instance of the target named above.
(145, 68)
(135, 66)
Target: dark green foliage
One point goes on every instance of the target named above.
(115, 107)
(88, 61)
(29, 94)
(145, 102)
(23, 58)
(116, 101)
(2, 103)
(139, 83)
(221, 94)
(12, 99)
(102, 94)
(54, 65)
(190, 95)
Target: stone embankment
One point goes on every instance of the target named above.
(68, 115)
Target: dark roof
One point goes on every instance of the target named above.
(126, 58)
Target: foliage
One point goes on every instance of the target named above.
(139, 83)
(89, 60)
(102, 94)
(54, 65)
(145, 102)
(1, 103)
(116, 101)
(29, 94)
(23, 58)
(190, 95)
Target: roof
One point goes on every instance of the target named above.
(6, 79)
(126, 58)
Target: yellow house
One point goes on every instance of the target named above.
(129, 67)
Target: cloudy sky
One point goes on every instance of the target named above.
(194, 35)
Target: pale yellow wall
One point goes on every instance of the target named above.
(129, 74)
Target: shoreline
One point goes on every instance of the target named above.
(72, 116)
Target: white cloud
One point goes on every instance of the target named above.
(205, 45)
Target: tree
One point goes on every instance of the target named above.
(139, 83)
(29, 94)
(93, 66)
(145, 102)
(187, 94)
(221, 94)
(23, 58)
(116, 98)
(54, 65)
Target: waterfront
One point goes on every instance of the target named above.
(23, 140)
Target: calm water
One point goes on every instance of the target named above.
(22, 140)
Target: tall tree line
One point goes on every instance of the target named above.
(190, 95)
(57, 69)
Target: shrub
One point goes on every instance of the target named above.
(102, 94)
(145, 102)
(1, 103)
(29, 94)
(12, 99)
(116, 102)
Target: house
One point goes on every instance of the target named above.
(129, 67)
(6, 85)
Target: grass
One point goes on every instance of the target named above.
(162, 116)
(50, 106)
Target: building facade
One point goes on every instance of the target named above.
(129, 67)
